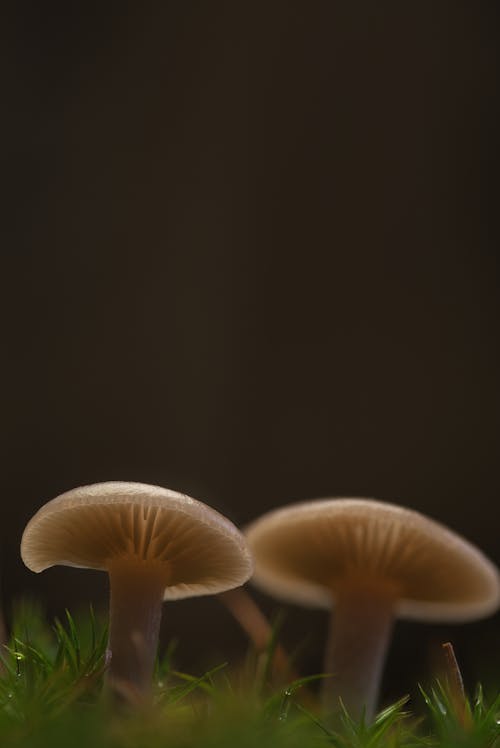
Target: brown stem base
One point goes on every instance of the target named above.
(136, 593)
(256, 626)
(361, 626)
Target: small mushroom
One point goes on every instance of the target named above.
(254, 623)
(154, 543)
(371, 562)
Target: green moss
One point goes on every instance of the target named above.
(51, 696)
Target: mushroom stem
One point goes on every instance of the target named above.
(136, 594)
(254, 623)
(360, 629)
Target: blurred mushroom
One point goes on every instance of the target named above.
(373, 562)
(254, 623)
(154, 543)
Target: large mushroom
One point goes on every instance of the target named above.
(370, 562)
(154, 543)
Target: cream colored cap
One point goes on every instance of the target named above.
(304, 551)
(91, 526)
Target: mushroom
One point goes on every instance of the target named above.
(254, 623)
(372, 562)
(154, 543)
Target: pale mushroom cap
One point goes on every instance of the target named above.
(201, 551)
(304, 551)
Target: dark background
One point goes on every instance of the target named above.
(248, 255)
